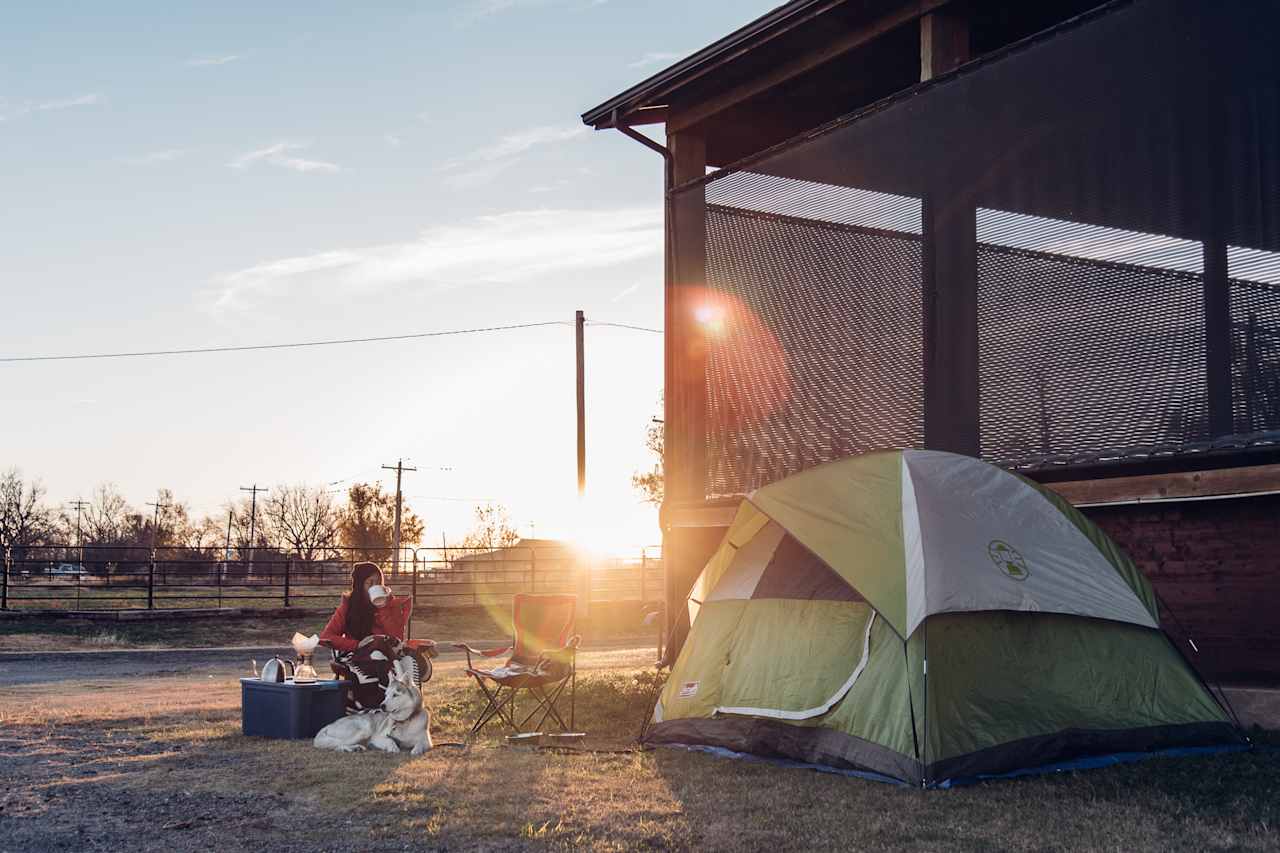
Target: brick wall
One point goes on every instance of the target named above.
(1216, 564)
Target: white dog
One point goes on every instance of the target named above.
(400, 723)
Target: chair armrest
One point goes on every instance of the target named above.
(488, 653)
(427, 647)
(566, 654)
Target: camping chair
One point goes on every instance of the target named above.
(543, 662)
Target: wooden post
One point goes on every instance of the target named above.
(151, 582)
(944, 41)
(644, 567)
(413, 594)
(4, 580)
(950, 271)
(684, 462)
(288, 570)
(1217, 335)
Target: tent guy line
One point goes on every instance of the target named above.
(324, 343)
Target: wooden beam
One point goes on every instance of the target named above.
(944, 41)
(700, 516)
(644, 115)
(681, 118)
(1191, 485)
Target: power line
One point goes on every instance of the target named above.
(624, 326)
(297, 345)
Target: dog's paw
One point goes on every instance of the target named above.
(355, 747)
(421, 749)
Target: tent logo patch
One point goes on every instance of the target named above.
(689, 688)
(1008, 560)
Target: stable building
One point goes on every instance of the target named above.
(1046, 235)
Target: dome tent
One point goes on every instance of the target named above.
(927, 617)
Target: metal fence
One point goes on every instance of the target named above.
(66, 577)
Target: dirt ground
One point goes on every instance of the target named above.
(607, 621)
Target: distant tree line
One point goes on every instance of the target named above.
(308, 522)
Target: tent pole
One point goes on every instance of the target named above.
(924, 712)
(1221, 696)
(911, 705)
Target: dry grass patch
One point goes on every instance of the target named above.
(161, 766)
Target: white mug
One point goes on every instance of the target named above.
(379, 595)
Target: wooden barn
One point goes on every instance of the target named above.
(1044, 234)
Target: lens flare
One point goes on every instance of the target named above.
(749, 376)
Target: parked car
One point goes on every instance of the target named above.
(66, 570)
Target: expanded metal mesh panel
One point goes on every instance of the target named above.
(1022, 259)
(814, 341)
(1255, 339)
(1083, 354)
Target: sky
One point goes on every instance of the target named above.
(203, 175)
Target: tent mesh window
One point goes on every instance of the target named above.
(1022, 259)
(814, 339)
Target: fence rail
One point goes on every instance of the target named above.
(66, 577)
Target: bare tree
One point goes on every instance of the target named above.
(24, 520)
(303, 517)
(204, 534)
(106, 520)
(650, 483)
(493, 528)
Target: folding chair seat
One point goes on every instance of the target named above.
(542, 663)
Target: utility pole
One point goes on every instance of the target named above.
(579, 321)
(253, 519)
(155, 522)
(79, 505)
(226, 550)
(395, 553)
(155, 538)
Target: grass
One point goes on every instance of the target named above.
(161, 766)
(607, 622)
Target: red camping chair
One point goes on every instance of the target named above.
(543, 661)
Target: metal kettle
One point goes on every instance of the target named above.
(277, 670)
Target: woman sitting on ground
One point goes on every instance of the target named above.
(367, 635)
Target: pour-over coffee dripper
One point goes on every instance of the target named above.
(304, 672)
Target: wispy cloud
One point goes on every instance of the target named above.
(654, 58)
(201, 61)
(522, 140)
(9, 111)
(68, 103)
(487, 162)
(279, 155)
(167, 155)
(474, 10)
(504, 248)
(393, 140)
(477, 174)
(625, 292)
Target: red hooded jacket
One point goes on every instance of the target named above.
(391, 619)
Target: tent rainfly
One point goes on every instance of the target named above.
(931, 618)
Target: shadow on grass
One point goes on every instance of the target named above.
(1194, 803)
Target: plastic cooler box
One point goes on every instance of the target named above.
(288, 710)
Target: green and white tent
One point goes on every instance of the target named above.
(929, 617)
